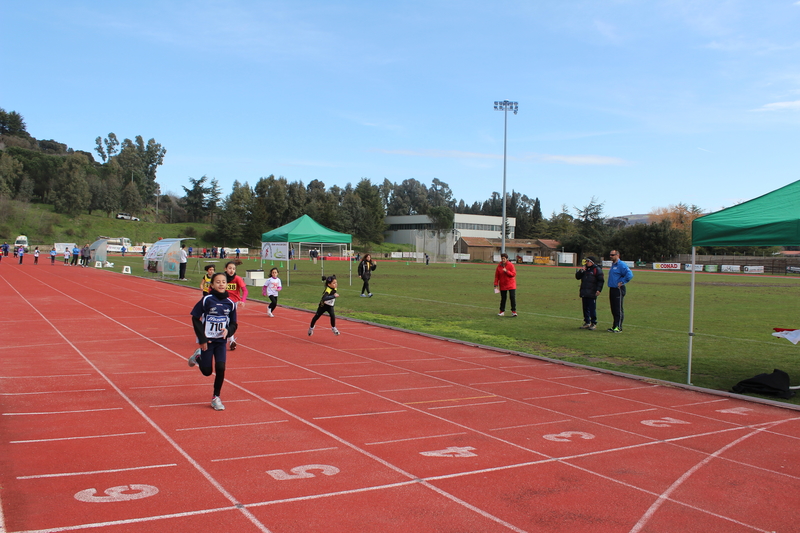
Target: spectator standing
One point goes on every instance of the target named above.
(76, 253)
(505, 282)
(53, 255)
(618, 277)
(182, 265)
(365, 269)
(591, 276)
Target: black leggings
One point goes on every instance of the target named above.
(322, 309)
(219, 379)
(273, 303)
(365, 287)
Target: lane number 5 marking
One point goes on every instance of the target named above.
(302, 472)
(664, 422)
(565, 436)
(117, 494)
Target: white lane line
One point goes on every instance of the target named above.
(499, 382)
(415, 360)
(359, 414)
(280, 380)
(623, 413)
(558, 396)
(65, 412)
(77, 438)
(232, 425)
(316, 395)
(414, 438)
(42, 377)
(273, 454)
(418, 388)
(340, 364)
(193, 403)
(50, 392)
(577, 376)
(532, 425)
(69, 474)
(456, 370)
(632, 388)
(464, 405)
(375, 375)
(700, 403)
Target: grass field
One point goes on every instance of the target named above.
(734, 315)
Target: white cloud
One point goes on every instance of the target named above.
(781, 106)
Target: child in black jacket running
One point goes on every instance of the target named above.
(326, 304)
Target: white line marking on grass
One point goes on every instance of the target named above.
(414, 438)
(375, 375)
(315, 395)
(89, 473)
(359, 414)
(498, 382)
(192, 403)
(418, 388)
(65, 412)
(77, 438)
(632, 388)
(232, 425)
(49, 392)
(558, 396)
(623, 413)
(464, 405)
(273, 454)
(532, 425)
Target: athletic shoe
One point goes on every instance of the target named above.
(193, 358)
(614, 330)
(513, 314)
(501, 313)
(585, 325)
(216, 403)
(335, 331)
(593, 327)
(269, 314)
(363, 295)
(310, 331)
(233, 345)
(370, 295)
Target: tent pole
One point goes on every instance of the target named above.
(691, 317)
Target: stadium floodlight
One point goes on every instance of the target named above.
(505, 106)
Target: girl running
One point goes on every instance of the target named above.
(205, 283)
(214, 320)
(237, 291)
(271, 288)
(326, 304)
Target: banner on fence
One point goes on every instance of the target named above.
(275, 251)
(731, 268)
(752, 269)
(697, 268)
(667, 266)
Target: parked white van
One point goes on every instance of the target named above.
(22, 240)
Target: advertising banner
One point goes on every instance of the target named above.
(712, 268)
(731, 268)
(277, 251)
(666, 266)
(697, 268)
(752, 269)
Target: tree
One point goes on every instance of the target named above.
(409, 198)
(12, 123)
(11, 172)
(196, 200)
(442, 217)
(656, 241)
(131, 200)
(371, 226)
(71, 189)
(439, 194)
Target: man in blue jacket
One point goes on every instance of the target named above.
(618, 277)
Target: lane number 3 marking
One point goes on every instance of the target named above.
(117, 494)
(565, 436)
(302, 472)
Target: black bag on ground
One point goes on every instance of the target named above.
(775, 384)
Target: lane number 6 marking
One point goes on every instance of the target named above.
(302, 472)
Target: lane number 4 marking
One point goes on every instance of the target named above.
(452, 451)
(566, 436)
(664, 422)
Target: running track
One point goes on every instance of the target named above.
(104, 427)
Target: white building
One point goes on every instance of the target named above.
(402, 228)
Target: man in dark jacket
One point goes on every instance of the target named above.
(592, 280)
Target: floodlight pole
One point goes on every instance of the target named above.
(505, 106)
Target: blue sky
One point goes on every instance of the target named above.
(636, 103)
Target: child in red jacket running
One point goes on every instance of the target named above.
(237, 291)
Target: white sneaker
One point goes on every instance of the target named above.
(335, 331)
(363, 295)
(310, 331)
(501, 313)
(216, 403)
(269, 314)
(370, 295)
(193, 358)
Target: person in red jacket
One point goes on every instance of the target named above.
(237, 291)
(505, 281)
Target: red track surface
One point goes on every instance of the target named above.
(104, 427)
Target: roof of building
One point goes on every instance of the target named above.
(477, 241)
(518, 243)
(550, 243)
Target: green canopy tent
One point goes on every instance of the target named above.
(306, 230)
(769, 220)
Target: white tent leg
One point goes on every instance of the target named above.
(691, 319)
